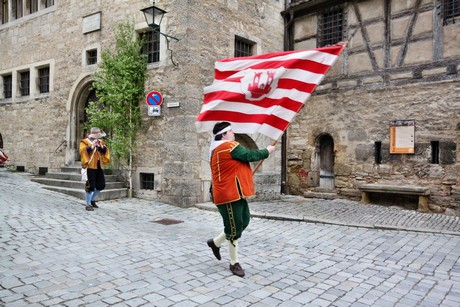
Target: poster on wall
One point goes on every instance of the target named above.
(402, 136)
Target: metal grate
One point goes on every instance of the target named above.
(331, 25)
(168, 222)
(44, 79)
(8, 86)
(243, 47)
(147, 181)
(91, 56)
(24, 81)
(450, 10)
(151, 45)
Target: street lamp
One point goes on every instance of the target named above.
(153, 16)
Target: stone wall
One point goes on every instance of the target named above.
(42, 130)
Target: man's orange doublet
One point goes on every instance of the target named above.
(231, 179)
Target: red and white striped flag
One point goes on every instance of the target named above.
(263, 93)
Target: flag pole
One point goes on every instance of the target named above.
(260, 162)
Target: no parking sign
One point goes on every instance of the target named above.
(154, 100)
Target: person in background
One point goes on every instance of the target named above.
(94, 155)
(232, 183)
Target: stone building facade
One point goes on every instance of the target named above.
(49, 51)
(401, 65)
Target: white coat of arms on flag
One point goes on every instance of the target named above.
(258, 84)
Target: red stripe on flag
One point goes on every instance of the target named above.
(237, 117)
(264, 103)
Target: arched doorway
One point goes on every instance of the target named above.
(80, 96)
(326, 162)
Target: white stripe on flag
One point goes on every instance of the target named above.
(316, 56)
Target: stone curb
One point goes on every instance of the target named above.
(270, 216)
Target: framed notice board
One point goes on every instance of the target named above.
(402, 136)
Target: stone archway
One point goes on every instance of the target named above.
(80, 95)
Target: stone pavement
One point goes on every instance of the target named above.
(130, 252)
(350, 213)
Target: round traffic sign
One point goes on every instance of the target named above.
(154, 98)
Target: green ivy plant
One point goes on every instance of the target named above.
(119, 85)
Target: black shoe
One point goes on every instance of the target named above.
(93, 204)
(215, 249)
(89, 208)
(237, 269)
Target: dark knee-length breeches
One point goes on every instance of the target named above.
(236, 218)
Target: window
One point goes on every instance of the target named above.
(450, 10)
(91, 57)
(4, 11)
(8, 86)
(243, 47)
(151, 46)
(434, 152)
(17, 8)
(24, 83)
(378, 152)
(32, 6)
(331, 26)
(147, 181)
(47, 3)
(44, 80)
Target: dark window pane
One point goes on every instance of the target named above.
(24, 83)
(4, 11)
(331, 27)
(44, 79)
(450, 10)
(243, 47)
(91, 57)
(147, 181)
(151, 46)
(8, 86)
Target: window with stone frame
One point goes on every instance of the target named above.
(151, 45)
(7, 86)
(243, 47)
(44, 79)
(331, 26)
(24, 83)
(450, 11)
(4, 11)
(147, 181)
(91, 57)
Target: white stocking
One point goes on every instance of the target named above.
(219, 239)
(233, 250)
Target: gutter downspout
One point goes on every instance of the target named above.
(288, 21)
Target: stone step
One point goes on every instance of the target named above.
(322, 195)
(74, 184)
(106, 194)
(76, 176)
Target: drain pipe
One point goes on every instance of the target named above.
(288, 17)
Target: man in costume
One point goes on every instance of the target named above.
(94, 155)
(232, 183)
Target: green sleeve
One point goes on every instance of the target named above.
(246, 155)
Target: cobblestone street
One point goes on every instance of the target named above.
(312, 252)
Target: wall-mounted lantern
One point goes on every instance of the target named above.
(153, 16)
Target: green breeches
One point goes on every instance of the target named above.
(236, 218)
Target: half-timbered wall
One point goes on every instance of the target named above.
(401, 62)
